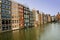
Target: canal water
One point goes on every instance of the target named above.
(49, 31)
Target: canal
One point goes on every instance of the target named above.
(49, 31)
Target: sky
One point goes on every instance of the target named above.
(47, 6)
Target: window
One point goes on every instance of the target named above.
(3, 16)
(7, 2)
(3, 5)
(28, 24)
(3, 10)
(0, 5)
(7, 7)
(9, 27)
(9, 21)
(26, 20)
(25, 24)
(3, 1)
(17, 21)
(7, 11)
(3, 21)
(12, 21)
(26, 16)
(6, 21)
(12, 16)
(8, 16)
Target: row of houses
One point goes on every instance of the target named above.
(14, 16)
(57, 16)
(40, 18)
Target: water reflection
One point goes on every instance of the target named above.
(6, 36)
(44, 32)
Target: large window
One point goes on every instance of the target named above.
(26, 16)
(3, 5)
(3, 10)
(7, 7)
(7, 2)
(8, 16)
(27, 24)
(3, 15)
(7, 11)
(26, 20)
(3, 21)
(3, 1)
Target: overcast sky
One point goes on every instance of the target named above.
(46, 6)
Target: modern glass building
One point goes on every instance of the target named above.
(26, 16)
(5, 11)
(31, 19)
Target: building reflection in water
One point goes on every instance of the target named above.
(44, 32)
(25, 34)
(6, 36)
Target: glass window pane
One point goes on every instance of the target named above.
(7, 7)
(7, 11)
(3, 6)
(3, 10)
(3, 1)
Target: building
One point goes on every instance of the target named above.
(45, 18)
(49, 18)
(53, 19)
(21, 15)
(26, 16)
(42, 18)
(58, 17)
(0, 17)
(31, 19)
(5, 15)
(36, 17)
(15, 16)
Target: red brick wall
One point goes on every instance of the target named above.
(21, 17)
